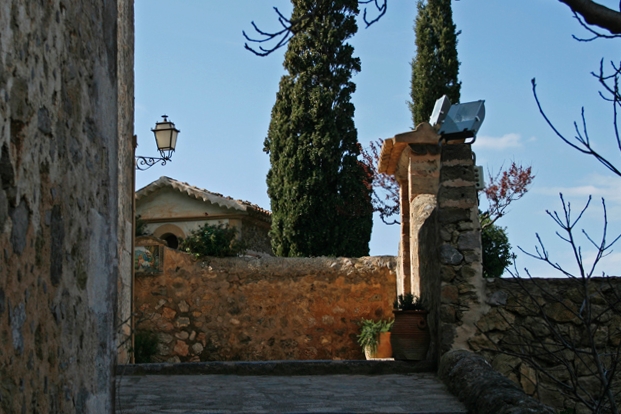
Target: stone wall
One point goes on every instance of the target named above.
(271, 308)
(530, 316)
(482, 389)
(65, 160)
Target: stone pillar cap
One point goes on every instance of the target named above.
(392, 148)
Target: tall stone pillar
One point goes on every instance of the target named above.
(424, 176)
(413, 158)
(461, 288)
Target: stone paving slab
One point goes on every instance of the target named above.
(396, 393)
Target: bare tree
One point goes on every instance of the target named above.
(290, 27)
(590, 14)
(564, 332)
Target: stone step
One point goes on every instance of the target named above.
(279, 368)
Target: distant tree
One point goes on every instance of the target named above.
(497, 254)
(503, 189)
(385, 186)
(320, 192)
(436, 67)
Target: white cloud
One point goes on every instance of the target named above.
(511, 140)
(595, 185)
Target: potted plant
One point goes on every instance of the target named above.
(374, 338)
(410, 333)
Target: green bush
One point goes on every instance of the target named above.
(210, 240)
(497, 254)
(145, 346)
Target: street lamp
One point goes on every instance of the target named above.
(165, 139)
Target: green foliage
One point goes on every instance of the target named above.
(145, 346)
(320, 192)
(436, 66)
(141, 227)
(497, 254)
(369, 333)
(408, 302)
(210, 240)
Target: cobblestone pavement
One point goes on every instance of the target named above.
(409, 393)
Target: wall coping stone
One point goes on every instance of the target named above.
(482, 389)
(278, 368)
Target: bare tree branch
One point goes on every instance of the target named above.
(595, 33)
(381, 8)
(582, 137)
(292, 26)
(596, 14)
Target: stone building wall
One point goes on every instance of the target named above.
(65, 93)
(262, 309)
(126, 173)
(515, 324)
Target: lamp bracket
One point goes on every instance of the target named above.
(144, 163)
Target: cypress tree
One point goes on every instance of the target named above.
(435, 67)
(320, 192)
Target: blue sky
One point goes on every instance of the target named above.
(192, 66)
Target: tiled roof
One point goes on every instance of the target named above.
(200, 194)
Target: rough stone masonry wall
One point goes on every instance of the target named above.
(460, 302)
(248, 309)
(63, 168)
(514, 323)
(126, 176)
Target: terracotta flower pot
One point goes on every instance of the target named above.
(410, 335)
(384, 348)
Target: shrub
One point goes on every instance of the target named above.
(145, 346)
(497, 254)
(408, 302)
(210, 240)
(369, 333)
(140, 227)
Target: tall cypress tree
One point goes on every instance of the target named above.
(320, 193)
(435, 67)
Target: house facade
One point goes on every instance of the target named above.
(172, 209)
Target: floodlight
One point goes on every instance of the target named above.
(463, 121)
